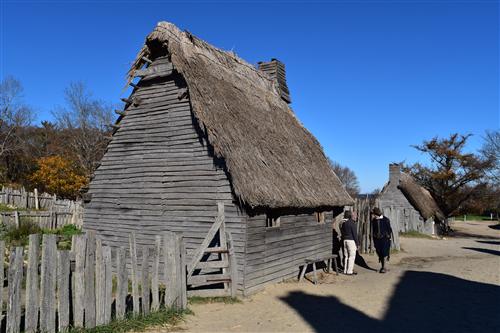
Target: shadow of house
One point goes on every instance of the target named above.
(422, 301)
(482, 250)
(489, 242)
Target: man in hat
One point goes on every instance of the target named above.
(349, 233)
(382, 233)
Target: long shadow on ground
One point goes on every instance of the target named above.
(489, 242)
(422, 301)
(488, 251)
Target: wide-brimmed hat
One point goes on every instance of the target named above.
(376, 211)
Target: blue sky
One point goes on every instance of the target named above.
(367, 78)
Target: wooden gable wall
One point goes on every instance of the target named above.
(159, 174)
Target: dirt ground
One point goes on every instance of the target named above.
(448, 285)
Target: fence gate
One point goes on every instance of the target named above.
(212, 270)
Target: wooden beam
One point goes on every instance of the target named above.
(114, 126)
(147, 60)
(133, 85)
(120, 112)
(208, 239)
(127, 100)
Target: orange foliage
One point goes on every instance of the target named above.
(58, 175)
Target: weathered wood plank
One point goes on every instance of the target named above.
(63, 284)
(48, 284)
(183, 274)
(100, 284)
(208, 293)
(155, 276)
(134, 271)
(233, 267)
(31, 317)
(122, 283)
(80, 244)
(108, 284)
(145, 282)
(169, 241)
(90, 265)
(14, 301)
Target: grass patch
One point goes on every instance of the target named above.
(138, 323)
(9, 208)
(414, 234)
(64, 234)
(20, 236)
(208, 300)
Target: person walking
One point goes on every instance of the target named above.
(349, 233)
(382, 233)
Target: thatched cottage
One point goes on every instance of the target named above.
(203, 126)
(409, 206)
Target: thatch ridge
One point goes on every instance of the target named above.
(272, 159)
(420, 198)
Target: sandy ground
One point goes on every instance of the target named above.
(449, 285)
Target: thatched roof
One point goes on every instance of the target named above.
(273, 161)
(419, 197)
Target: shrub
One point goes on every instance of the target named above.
(19, 236)
(58, 175)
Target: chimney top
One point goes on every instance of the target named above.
(394, 173)
(275, 69)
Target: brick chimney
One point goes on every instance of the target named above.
(394, 173)
(275, 69)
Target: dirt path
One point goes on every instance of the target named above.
(450, 285)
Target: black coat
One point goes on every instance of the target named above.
(381, 228)
(382, 233)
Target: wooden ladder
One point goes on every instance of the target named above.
(216, 258)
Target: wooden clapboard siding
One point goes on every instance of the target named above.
(275, 254)
(159, 174)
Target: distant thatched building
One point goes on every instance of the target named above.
(407, 204)
(202, 126)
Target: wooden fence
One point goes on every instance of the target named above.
(44, 219)
(82, 280)
(44, 209)
(363, 206)
(34, 200)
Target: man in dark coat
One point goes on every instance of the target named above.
(382, 233)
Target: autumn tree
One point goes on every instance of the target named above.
(85, 120)
(58, 175)
(453, 176)
(347, 177)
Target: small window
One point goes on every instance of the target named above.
(320, 217)
(272, 221)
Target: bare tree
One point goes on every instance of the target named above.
(491, 151)
(86, 120)
(14, 116)
(347, 177)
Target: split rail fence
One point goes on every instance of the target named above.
(77, 288)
